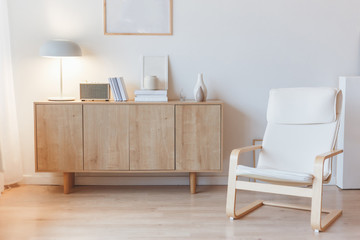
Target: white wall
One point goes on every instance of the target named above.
(243, 47)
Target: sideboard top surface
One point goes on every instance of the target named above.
(170, 102)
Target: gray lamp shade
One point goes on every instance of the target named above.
(60, 48)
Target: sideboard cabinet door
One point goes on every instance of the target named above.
(106, 137)
(198, 137)
(152, 137)
(58, 137)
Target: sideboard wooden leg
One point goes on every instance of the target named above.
(192, 177)
(69, 179)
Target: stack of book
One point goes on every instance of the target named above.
(151, 96)
(118, 89)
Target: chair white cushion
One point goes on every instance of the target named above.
(294, 147)
(302, 105)
(267, 174)
(302, 123)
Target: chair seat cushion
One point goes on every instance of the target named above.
(267, 174)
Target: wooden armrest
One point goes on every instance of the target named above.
(234, 156)
(329, 154)
(319, 162)
(247, 149)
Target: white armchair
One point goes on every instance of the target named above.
(297, 150)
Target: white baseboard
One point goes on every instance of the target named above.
(57, 179)
(43, 179)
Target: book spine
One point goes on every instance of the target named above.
(117, 89)
(112, 88)
(150, 92)
(116, 92)
(150, 95)
(151, 99)
(121, 88)
(124, 88)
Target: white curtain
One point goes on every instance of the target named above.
(10, 158)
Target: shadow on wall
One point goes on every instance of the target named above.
(171, 88)
(237, 128)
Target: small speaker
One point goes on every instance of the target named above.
(94, 91)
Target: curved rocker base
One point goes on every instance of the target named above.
(332, 214)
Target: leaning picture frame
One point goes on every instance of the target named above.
(138, 17)
(155, 66)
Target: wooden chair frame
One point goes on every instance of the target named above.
(314, 192)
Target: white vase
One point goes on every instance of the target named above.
(200, 97)
(150, 82)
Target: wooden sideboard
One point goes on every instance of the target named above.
(128, 137)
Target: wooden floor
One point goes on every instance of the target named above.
(162, 212)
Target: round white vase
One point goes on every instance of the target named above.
(200, 91)
(150, 82)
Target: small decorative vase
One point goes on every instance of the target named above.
(199, 96)
(200, 91)
(150, 82)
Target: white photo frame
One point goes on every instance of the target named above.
(138, 17)
(155, 66)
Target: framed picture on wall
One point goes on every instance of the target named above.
(138, 17)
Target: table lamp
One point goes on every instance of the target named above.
(60, 49)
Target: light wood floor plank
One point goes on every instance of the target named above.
(163, 212)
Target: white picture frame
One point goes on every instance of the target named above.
(155, 66)
(138, 17)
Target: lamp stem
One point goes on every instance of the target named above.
(61, 80)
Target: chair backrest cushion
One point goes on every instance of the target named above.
(302, 123)
(302, 105)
